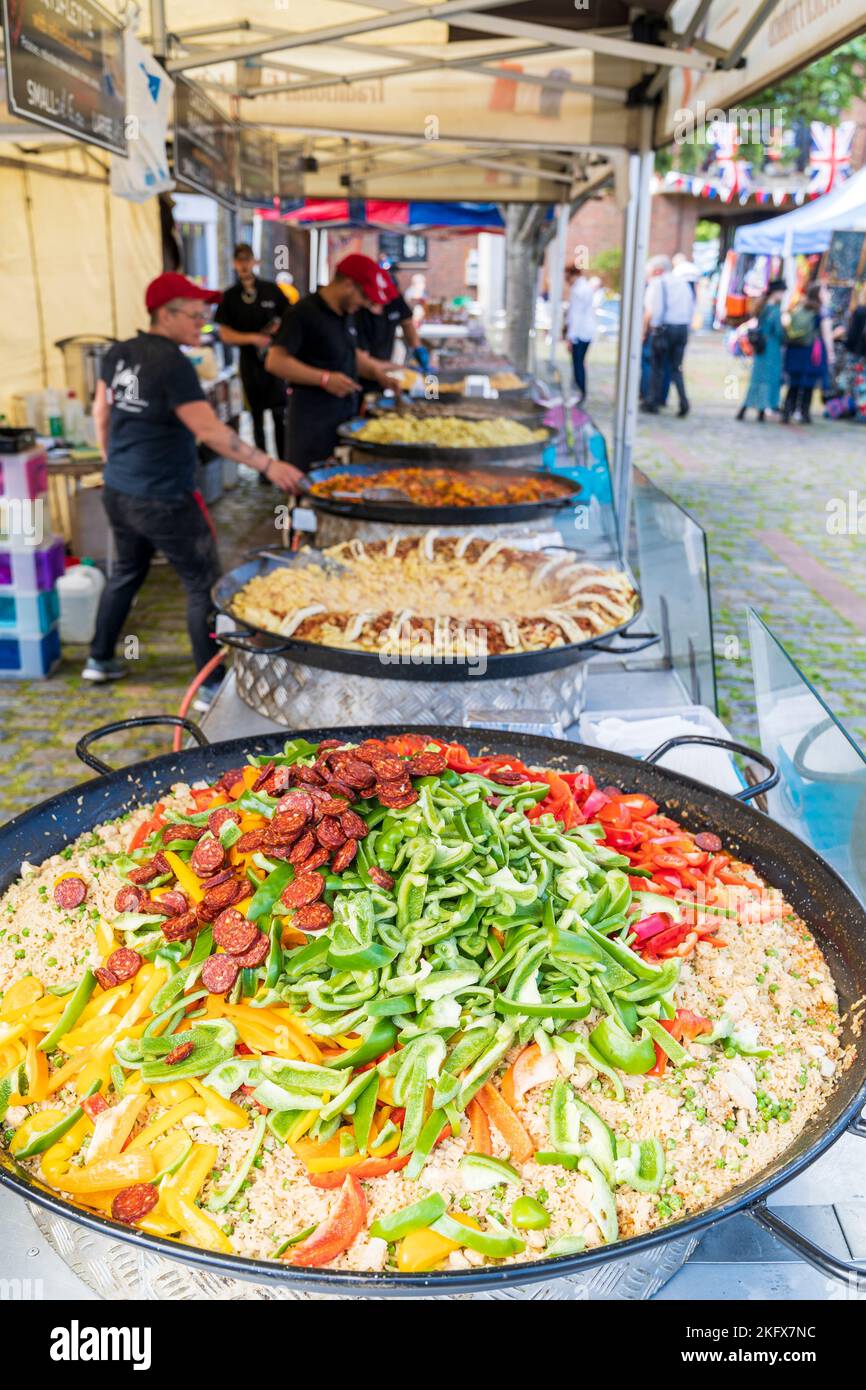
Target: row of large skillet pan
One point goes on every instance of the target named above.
(815, 891)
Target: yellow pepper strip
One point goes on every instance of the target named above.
(45, 1012)
(250, 776)
(170, 1151)
(113, 1127)
(298, 1034)
(121, 1171)
(53, 1163)
(12, 1055)
(177, 1195)
(243, 905)
(86, 1035)
(425, 1249)
(33, 1125)
(170, 1092)
(20, 996)
(191, 1176)
(339, 1165)
(251, 820)
(102, 1055)
(105, 938)
(36, 1065)
(11, 1032)
(221, 1112)
(188, 880)
(103, 1002)
(301, 1127)
(192, 1106)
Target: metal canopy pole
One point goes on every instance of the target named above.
(557, 275)
(159, 39)
(631, 326)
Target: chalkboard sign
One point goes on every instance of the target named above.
(205, 144)
(290, 172)
(402, 248)
(843, 258)
(840, 301)
(65, 69)
(256, 164)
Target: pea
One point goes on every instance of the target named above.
(529, 1215)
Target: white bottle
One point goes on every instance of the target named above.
(78, 592)
(73, 419)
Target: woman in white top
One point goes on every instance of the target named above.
(580, 324)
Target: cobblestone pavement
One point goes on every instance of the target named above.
(767, 496)
(760, 491)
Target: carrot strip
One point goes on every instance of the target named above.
(500, 1114)
(480, 1129)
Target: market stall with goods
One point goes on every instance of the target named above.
(448, 955)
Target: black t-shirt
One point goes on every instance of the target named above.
(250, 311)
(150, 452)
(376, 332)
(319, 337)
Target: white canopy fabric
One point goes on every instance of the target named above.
(808, 230)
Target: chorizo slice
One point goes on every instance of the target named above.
(70, 892)
(344, 856)
(306, 888)
(313, 917)
(208, 858)
(219, 973)
(233, 932)
(124, 963)
(130, 1204)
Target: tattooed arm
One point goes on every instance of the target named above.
(202, 421)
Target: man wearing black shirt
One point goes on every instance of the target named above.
(317, 350)
(248, 315)
(377, 330)
(149, 410)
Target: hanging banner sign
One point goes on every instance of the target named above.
(205, 144)
(256, 165)
(65, 69)
(290, 172)
(149, 91)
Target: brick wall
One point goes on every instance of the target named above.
(599, 225)
(445, 269)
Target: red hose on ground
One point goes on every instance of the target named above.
(189, 694)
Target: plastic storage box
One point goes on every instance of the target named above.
(34, 613)
(32, 567)
(23, 466)
(24, 657)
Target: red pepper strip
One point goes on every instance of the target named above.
(684, 1026)
(94, 1105)
(651, 926)
(334, 1236)
(370, 1168)
(593, 804)
(636, 804)
(148, 827)
(241, 1050)
(560, 802)
(247, 1091)
(404, 744)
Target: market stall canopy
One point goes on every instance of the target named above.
(808, 230)
(387, 214)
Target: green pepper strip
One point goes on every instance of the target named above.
(220, 1199)
(70, 1015)
(426, 1144)
(496, 1244)
(378, 1041)
(675, 1051)
(51, 1136)
(365, 1109)
(413, 1218)
(266, 895)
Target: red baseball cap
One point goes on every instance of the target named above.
(173, 286)
(370, 278)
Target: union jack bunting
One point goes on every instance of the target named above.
(736, 173)
(830, 155)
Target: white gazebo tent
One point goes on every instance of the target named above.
(808, 229)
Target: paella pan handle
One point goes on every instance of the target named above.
(246, 640)
(710, 741)
(850, 1272)
(634, 642)
(82, 747)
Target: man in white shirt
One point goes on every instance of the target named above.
(580, 324)
(671, 307)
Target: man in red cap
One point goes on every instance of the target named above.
(317, 351)
(149, 411)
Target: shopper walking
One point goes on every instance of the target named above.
(806, 354)
(671, 309)
(318, 352)
(149, 410)
(580, 324)
(767, 338)
(248, 316)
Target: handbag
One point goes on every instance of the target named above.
(758, 340)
